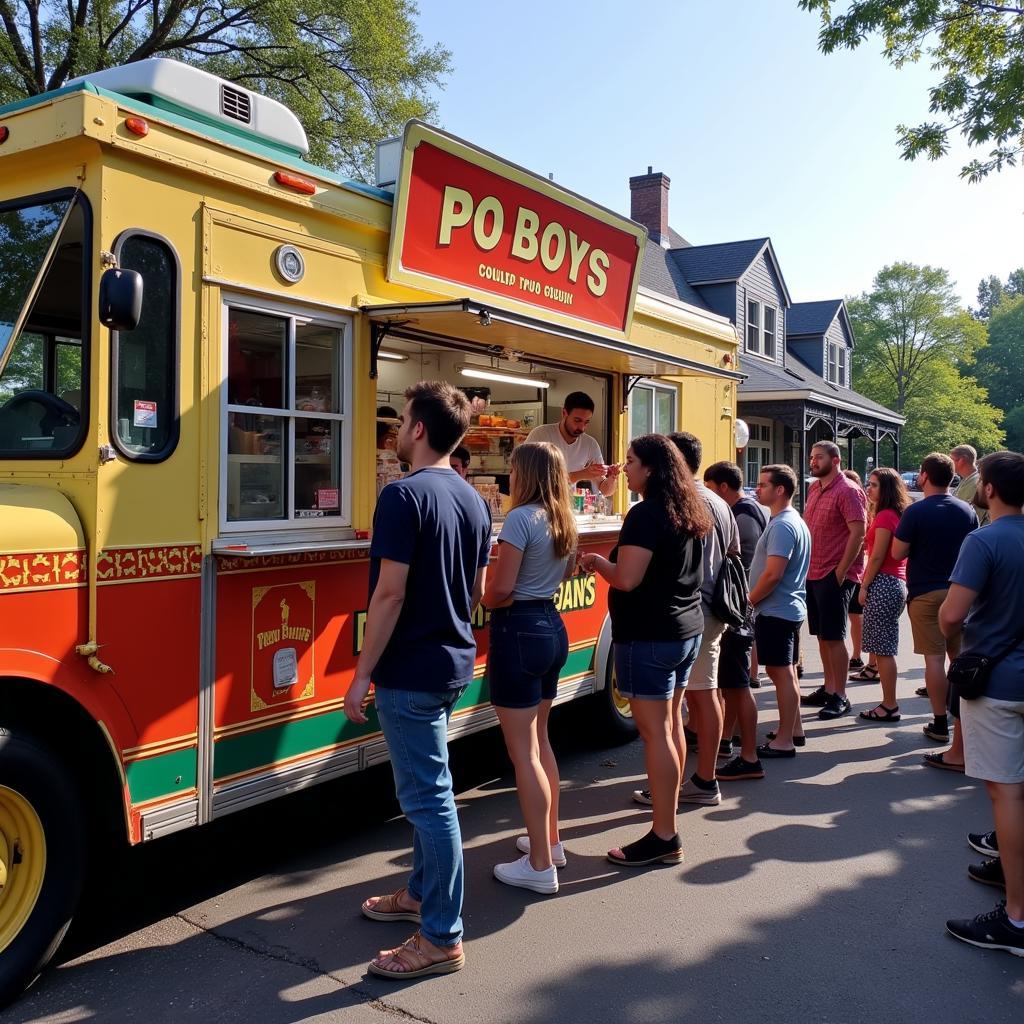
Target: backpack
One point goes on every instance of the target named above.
(729, 598)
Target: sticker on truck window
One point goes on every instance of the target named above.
(145, 414)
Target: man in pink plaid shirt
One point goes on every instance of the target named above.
(836, 515)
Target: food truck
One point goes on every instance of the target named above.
(203, 339)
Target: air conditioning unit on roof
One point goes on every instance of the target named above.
(181, 88)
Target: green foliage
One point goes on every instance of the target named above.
(353, 71)
(992, 291)
(977, 49)
(910, 320)
(914, 343)
(1000, 364)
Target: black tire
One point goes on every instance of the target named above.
(613, 726)
(43, 781)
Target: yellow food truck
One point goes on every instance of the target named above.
(203, 338)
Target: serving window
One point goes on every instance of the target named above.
(510, 397)
(286, 423)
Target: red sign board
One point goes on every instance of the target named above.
(467, 220)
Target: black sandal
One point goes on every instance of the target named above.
(652, 849)
(887, 715)
(798, 741)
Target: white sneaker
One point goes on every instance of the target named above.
(557, 850)
(523, 875)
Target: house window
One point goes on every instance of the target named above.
(758, 452)
(761, 328)
(286, 420)
(768, 333)
(837, 365)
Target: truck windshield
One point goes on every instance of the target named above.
(41, 384)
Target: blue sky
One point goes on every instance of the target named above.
(759, 133)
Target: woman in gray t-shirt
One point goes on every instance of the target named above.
(528, 647)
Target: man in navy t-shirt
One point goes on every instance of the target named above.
(428, 557)
(929, 536)
(986, 601)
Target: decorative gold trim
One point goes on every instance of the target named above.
(167, 746)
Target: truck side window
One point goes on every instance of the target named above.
(287, 420)
(144, 362)
(42, 411)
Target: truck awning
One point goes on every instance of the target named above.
(489, 326)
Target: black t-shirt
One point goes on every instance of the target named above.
(666, 604)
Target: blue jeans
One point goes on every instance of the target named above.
(415, 726)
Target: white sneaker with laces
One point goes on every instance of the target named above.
(557, 850)
(523, 875)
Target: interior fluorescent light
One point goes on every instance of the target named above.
(483, 373)
(394, 357)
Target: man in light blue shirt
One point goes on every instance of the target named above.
(778, 579)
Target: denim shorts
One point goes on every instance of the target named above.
(651, 669)
(528, 648)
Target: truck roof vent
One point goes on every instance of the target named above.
(206, 99)
(235, 103)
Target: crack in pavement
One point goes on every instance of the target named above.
(282, 954)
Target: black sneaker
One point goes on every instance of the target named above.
(725, 748)
(856, 663)
(737, 769)
(815, 699)
(988, 872)
(989, 931)
(984, 842)
(836, 707)
(755, 682)
(936, 732)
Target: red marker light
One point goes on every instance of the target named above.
(4, 133)
(293, 181)
(137, 126)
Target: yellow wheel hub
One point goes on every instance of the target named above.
(621, 703)
(22, 863)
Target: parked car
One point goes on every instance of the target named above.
(910, 479)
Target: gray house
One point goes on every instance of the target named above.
(796, 356)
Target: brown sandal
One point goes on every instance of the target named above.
(387, 908)
(416, 962)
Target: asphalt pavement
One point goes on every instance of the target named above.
(818, 894)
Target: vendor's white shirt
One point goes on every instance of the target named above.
(583, 451)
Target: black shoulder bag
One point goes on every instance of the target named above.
(970, 673)
(729, 598)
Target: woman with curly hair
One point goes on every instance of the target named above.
(655, 573)
(883, 590)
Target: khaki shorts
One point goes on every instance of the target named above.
(705, 672)
(924, 624)
(993, 739)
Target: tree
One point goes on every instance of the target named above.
(999, 366)
(992, 291)
(353, 71)
(909, 321)
(976, 47)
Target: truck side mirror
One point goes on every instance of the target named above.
(120, 299)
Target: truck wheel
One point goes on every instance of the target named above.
(42, 858)
(612, 716)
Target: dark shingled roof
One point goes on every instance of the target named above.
(724, 261)
(659, 273)
(811, 317)
(765, 376)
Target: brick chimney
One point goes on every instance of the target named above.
(649, 204)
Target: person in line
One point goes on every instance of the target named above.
(459, 461)
(835, 513)
(778, 580)
(856, 608)
(428, 557)
(655, 574)
(986, 601)
(736, 656)
(883, 591)
(929, 536)
(582, 452)
(965, 457)
(705, 709)
(528, 647)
